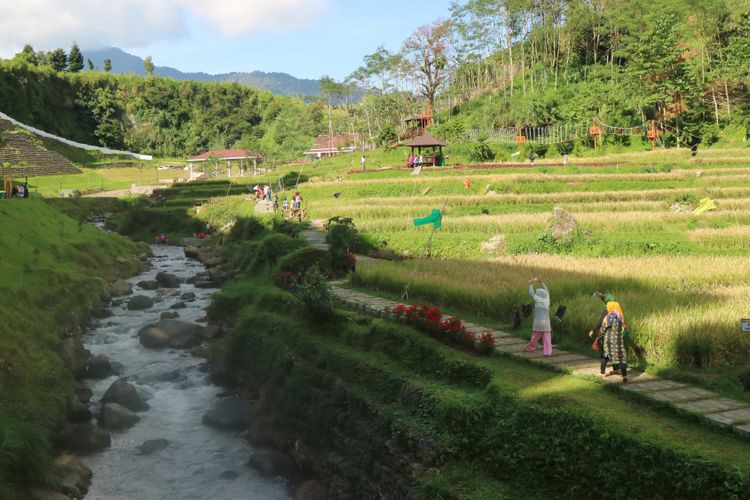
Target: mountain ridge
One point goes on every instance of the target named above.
(275, 82)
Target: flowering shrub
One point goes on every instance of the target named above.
(451, 330)
(486, 343)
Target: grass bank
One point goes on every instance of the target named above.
(53, 271)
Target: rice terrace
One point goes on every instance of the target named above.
(505, 256)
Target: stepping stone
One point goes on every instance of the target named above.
(655, 385)
(564, 359)
(509, 340)
(711, 405)
(637, 376)
(512, 348)
(740, 416)
(498, 334)
(536, 354)
(686, 394)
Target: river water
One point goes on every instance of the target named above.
(199, 462)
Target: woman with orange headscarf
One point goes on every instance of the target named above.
(613, 342)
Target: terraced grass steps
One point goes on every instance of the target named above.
(29, 159)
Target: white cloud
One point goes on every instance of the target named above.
(243, 17)
(132, 23)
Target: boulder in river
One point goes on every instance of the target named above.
(192, 252)
(82, 393)
(83, 438)
(311, 490)
(169, 315)
(152, 446)
(139, 302)
(148, 284)
(272, 463)
(101, 313)
(232, 413)
(98, 367)
(168, 280)
(178, 305)
(188, 296)
(74, 356)
(125, 394)
(229, 474)
(172, 332)
(120, 288)
(115, 417)
(78, 412)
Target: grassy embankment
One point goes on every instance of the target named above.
(53, 271)
(476, 427)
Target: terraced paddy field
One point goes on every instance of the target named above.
(683, 279)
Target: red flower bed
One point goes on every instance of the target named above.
(451, 330)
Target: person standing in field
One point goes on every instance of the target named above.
(362, 162)
(532, 158)
(541, 329)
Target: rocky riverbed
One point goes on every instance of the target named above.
(154, 423)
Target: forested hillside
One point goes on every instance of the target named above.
(157, 115)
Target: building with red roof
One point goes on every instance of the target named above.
(333, 145)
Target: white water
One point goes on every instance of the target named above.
(196, 456)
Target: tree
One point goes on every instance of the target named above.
(27, 54)
(75, 59)
(90, 64)
(108, 65)
(148, 65)
(58, 59)
(427, 51)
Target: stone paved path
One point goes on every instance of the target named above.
(695, 400)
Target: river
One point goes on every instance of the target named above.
(199, 462)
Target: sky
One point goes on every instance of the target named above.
(305, 38)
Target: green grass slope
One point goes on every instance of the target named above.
(53, 270)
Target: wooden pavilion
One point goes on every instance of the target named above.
(242, 157)
(428, 142)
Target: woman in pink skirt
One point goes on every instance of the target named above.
(542, 328)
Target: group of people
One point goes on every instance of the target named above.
(610, 330)
(262, 192)
(21, 191)
(415, 161)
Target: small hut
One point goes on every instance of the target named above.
(416, 124)
(434, 147)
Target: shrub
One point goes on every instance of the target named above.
(272, 248)
(481, 151)
(565, 148)
(246, 229)
(303, 259)
(315, 293)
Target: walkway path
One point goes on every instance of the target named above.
(692, 399)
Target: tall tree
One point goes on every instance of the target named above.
(107, 65)
(427, 50)
(90, 64)
(28, 55)
(58, 59)
(148, 65)
(75, 59)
